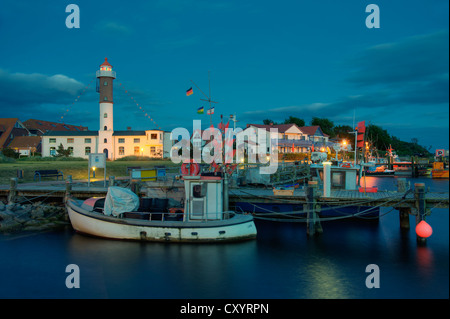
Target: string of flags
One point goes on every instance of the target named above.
(76, 100)
(145, 113)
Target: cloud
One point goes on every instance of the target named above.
(114, 28)
(410, 73)
(419, 58)
(20, 89)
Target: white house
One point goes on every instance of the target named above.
(115, 144)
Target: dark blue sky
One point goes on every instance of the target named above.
(268, 59)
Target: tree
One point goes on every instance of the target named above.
(61, 152)
(325, 124)
(268, 121)
(9, 152)
(294, 120)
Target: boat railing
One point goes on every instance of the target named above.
(170, 216)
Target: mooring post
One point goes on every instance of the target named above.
(225, 192)
(12, 190)
(112, 181)
(419, 196)
(404, 212)
(313, 226)
(68, 186)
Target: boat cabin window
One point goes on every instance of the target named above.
(338, 179)
(198, 191)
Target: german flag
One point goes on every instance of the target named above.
(189, 92)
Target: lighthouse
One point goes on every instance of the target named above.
(105, 77)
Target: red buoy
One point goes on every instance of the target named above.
(423, 229)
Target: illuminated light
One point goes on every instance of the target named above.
(94, 168)
(423, 229)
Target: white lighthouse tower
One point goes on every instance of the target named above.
(105, 78)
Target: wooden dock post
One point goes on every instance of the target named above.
(12, 190)
(419, 196)
(112, 181)
(68, 186)
(313, 226)
(404, 212)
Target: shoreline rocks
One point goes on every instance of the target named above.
(33, 217)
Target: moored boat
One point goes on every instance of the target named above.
(121, 215)
(439, 170)
(379, 171)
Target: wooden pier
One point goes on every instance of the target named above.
(416, 201)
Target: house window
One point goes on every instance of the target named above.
(87, 150)
(121, 140)
(121, 150)
(154, 136)
(105, 140)
(136, 150)
(105, 83)
(105, 115)
(105, 128)
(52, 151)
(137, 140)
(70, 140)
(70, 149)
(105, 99)
(52, 140)
(153, 150)
(87, 140)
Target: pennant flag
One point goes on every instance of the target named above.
(201, 110)
(361, 130)
(189, 92)
(210, 111)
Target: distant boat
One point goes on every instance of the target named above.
(379, 171)
(122, 215)
(439, 170)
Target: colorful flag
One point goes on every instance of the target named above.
(361, 130)
(201, 110)
(189, 92)
(210, 111)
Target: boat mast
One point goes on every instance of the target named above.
(208, 98)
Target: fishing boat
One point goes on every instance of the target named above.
(439, 170)
(201, 218)
(379, 171)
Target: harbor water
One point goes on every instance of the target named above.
(282, 263)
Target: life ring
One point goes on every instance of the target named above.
(346, 165)
(190, 168)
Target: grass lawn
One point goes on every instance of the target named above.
(78, 169)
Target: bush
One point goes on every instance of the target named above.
(4, 159)
(8, 152)
(51, 159)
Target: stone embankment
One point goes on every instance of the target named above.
(33, 217)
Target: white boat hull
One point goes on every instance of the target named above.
(239, 227)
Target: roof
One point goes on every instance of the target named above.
(282, 128)
(106, 63)
(25, 142)
(71, 133)
(6, 126)
(312, 130)
(46, 126)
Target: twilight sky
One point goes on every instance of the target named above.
(268, 59)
